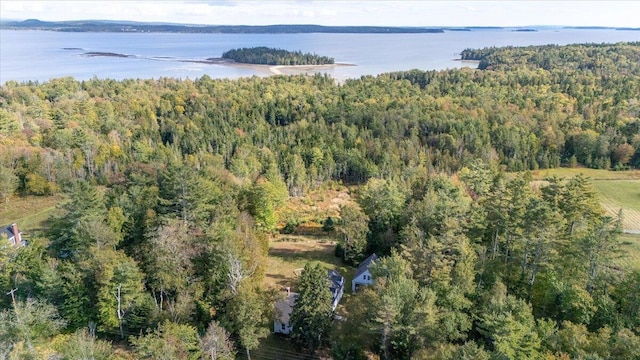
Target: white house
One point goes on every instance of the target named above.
(284, 307)
(12, 234)
(362, 275)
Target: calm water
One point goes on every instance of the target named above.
(40, 55)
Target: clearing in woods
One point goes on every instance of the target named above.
(616, 190)
(29, 212)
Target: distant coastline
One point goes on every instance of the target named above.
(146, 27)
(141, 27)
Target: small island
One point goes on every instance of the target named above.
(263, 60)
(270, 56)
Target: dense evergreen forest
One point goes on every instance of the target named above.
(270, 56)
(172, 190)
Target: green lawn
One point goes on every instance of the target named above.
(288, 254)
(276, 346)
(621, 194)
(595, 174)
(616, 190)
(29, 212)
(630, 257)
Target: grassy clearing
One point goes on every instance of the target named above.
(288, 254)
(616, 189)
(630, 257)
(278, 347)
(594, 174)
(621, 194)
(29, 212)
(315, 207)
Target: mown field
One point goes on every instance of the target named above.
(616, 189)
(630, 254)
(288, 254)
(29, 212)
(621, 194)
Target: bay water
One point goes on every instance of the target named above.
(31, 55)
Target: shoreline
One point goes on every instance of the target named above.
(271, 69)
(261, 68)
(468, 61)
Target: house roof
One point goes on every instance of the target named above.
(284, 307)
(364, 265)
(336, 279)
(7, 230)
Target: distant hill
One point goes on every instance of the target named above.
(156, 27)
(128, 26)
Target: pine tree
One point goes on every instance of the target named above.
(311, 315)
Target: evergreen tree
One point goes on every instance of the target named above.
(405, 316)
(508, 326)
(311, 314)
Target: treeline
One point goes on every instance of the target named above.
(172, 188)
(595, 58)
(270, 56)
(476, 54)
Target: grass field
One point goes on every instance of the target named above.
(277, 347)
(616, 189)
(315, 206)
(630, 257)
(288, 254)
(595, 174)
(621, 194)
(29, 212)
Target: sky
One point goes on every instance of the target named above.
(336, 12)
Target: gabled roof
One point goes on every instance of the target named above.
(284, 307)
(8, 231)
(364, 265)
(336, 279)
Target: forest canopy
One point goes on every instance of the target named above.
(271, 56)
(171, 189)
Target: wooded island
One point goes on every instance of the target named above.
(270, 56)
